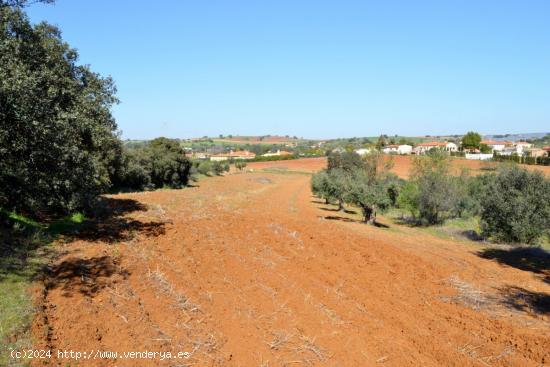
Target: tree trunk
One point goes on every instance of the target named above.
(327, 201)
(369, 215)
(340, 205)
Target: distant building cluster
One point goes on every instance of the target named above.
(520, 148)
(240, 154)
(233, 155)
(505, 148)
(404, 149)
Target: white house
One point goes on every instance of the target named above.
(276, 154)
(521, 146)
(242, 154)
(518, 148)
(496, 146)
(363, 151)
(398, 149)
(451, 147)
(423, 148)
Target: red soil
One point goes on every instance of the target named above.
(250, 270)
(401, 165)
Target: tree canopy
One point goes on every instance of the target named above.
(516, 206)
(56, 128)
(471, 140)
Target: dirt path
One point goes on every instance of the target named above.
(250, 270)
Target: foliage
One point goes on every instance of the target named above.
(57, 135)
(331, 185)
(347, 161)
(204, 167)
(408, 198)
(435, 187)
(167, 163)
(219, 168)
(274, 158)
(22, 3)
(319, 184)
(381, 142)
(370, 193)
(516, 206)
(160, 163)
(542, 161)
(541, 142)
(240, 165)
(471, 140)
(485, 149)
(364, 182)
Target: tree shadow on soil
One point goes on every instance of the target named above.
(533, 259)
(87, 276)
(318, 201)
(24, 250)
(349, 220)
(524, 300)
(347, 211)
(472, 235)
(110, 224)
(408, 221)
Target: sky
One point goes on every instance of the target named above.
(316, 69)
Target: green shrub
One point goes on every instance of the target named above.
(436, 197)
(240, 165)
(205, 167)
(408, 199)
(516, 206)
(159, 163)
(219, 167)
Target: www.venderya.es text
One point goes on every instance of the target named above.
(96, 354)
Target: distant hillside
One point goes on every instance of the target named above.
(515, 137)
(262, 139)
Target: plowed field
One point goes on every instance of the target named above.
(401, 165)
(251, 270)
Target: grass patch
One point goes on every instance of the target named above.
(25, 247)
(467, 228)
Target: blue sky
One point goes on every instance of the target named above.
(316, 69)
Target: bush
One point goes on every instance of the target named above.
(205, 167)
(160, 163)
(220, 167)
(167, 163)
(240, 165)
(516, 206)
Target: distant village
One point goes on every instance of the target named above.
(488, 149)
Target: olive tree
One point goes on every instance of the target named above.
(370, 193)
(331, 185)
(515, 206)
(372, 187)
(435, 196)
